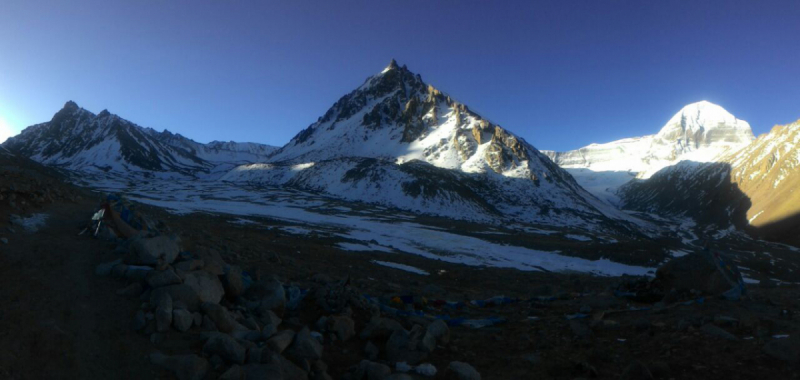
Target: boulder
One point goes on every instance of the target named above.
(221, 317)
(179, 293)
(305, 346)
(268, 294)
(343, 326)
(371, 350)
(290, 371)
(133, 290)
(232, 281)
(379, 327)
(159, 278)
(185, 367)
(139, 321)
(461, 371)
(372, 371)
(163, 312)
(784, 349)
(268, 317)
(206, 285)
(182, 319)
(234, 373)
(439, 331)
(262, 372)
(280, 341)
(154, 251)
(695, 271)
(636, 371)
(105, 268)
(226, 347)
(405, 346)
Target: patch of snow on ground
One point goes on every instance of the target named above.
(407, 268)
(679, 253)
(578, 237)
(31, 223)
(361, 247)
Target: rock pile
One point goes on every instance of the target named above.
(238, 318)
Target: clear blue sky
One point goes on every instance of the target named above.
(561, 74)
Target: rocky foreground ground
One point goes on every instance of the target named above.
(208, 299)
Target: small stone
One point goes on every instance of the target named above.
(268, 331)
(717, 332)
(280, 341)
(185, 367)
(182, 319)
(580, 329)
(226, 347)
(426, 369)
(461, 371)
(4, 240)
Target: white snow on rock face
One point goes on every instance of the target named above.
(400, 142)
(699, 132)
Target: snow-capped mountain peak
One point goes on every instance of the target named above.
(705, 119)
(395, 136)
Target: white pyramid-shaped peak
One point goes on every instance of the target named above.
(703, 116)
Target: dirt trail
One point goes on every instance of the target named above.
(58, 320)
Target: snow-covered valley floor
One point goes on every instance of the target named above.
(361, 227)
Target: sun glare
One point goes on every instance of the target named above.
(5, 130)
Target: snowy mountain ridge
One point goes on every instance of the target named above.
(700, 132)
(79, 140)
